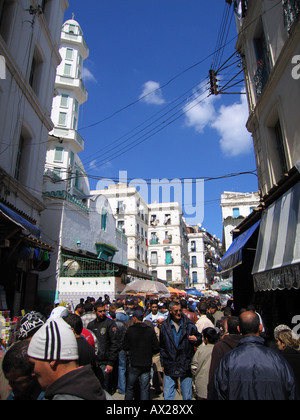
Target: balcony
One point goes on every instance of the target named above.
(261, 76)
(76, 39)
(291, 11)
(74, 83)
(72, 135)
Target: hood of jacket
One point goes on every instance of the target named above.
(231, 340)
(81, 383)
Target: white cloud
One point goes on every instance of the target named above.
(229, 122)
(152, 94)
(87, 75)
(200, 111)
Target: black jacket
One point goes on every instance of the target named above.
(176, 360)
(252, 371)
(79, 384)
(141, 342)
(106, 333)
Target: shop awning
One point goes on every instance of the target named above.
(233, 256)
(277, 260)
(19, 221)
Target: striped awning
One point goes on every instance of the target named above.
(277, 259)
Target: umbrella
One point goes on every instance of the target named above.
(194, 292)
(174, 291)
(147, 287)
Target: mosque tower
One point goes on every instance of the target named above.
(64, 172)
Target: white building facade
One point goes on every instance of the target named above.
(236, 207)
(29, 45)
(168, 244)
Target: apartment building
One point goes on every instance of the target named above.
(132, 215)
(157, 234)
(236, 207)
(204, 255)
(168, 244)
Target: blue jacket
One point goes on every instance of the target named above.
(252, 371)
(175, 357)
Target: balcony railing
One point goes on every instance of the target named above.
(261, 76)
(291, 10)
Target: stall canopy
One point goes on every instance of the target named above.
(277, 259)
(233, 256)
(194, 292)
(19, 221)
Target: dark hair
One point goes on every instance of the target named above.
(183, 303)
(202, 307)
(99, 304)
(75, 322)
(174, 303)
(88, 307)
(232, 324)
(79, 306)
(16, 358)
(249, 324)
(211, 335)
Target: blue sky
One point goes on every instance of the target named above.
(178, 131)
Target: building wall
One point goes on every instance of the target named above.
(276, 99)
(26, 95)
(235, 208)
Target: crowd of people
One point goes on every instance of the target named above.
(142, 348)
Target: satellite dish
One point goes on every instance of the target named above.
(70, 268)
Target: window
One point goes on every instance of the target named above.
(169, 275)
(59, 154)
(72, 29)
(68, 69)
(57, 173)
(75, 123)
(169, 259)
(195, 277)
(76, 106)
(72, 157)
(121, 225)
(236, 212)
(104, 220)
(23, 157)
(64, 99)
(36, 71)
(194, 261)
(193, 246)
(62, 119)
(7, 9)
(69, 54)
(19, 157)
(280, 147)
(154, 274)
(263, 63)
(154, 259)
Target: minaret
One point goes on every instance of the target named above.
(64, 141)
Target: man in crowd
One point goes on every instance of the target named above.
(54, 352)
(105, 330)
(252, 371)
(178, 339)
(141, 344)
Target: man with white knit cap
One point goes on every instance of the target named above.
(54, 352)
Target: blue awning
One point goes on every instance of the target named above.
(233, 256)
(19, 221)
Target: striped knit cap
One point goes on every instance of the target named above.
(55, 340)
